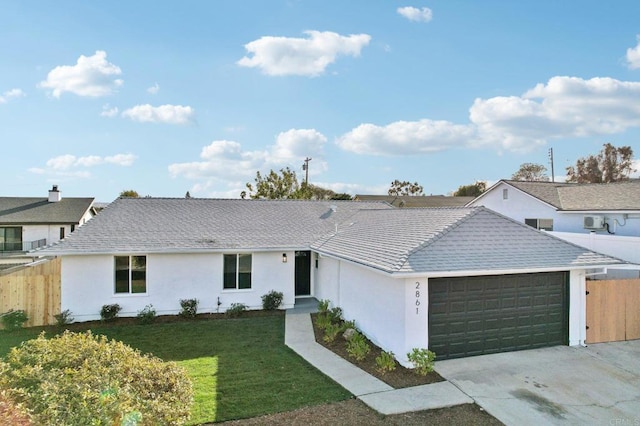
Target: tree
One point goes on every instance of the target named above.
(341, 196)
(472, 190)
(129, 193)
(405, 188)
(187, 195)
(611, 164)
(530, 172)
(284, 185)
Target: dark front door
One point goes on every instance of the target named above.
(482, 315)
(303, 273)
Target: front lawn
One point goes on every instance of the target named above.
(240, 368)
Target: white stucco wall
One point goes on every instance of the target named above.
(521, 206)
(327, 280)
(49, 232)
(88, 283)
(377, 303)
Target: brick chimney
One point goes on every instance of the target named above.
(54, 194)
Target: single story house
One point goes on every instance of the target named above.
(603, 208)
(30, 222)
(460, 281)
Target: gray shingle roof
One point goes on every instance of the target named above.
(585, 197)
(418, 201)
(452, 239)
(26, 210)
(172, 225)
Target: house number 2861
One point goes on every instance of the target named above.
(417, 298)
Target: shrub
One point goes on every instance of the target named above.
(347, 325)
(331, 331)
(147, 315)
(13, 320)
(385, 362)
(335, 315)
(422, 360)
(11, 413)
(323, 306)
(322, 321)
(272, 300)
(63, 318)
(82, 379)
(110, 312)
(358, 347)
(189, 308)
(236, 309)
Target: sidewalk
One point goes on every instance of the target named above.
(372, 391)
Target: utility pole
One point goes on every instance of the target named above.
(551, 161)
(305, 167)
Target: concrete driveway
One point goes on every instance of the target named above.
(599, 384)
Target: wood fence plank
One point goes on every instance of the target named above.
(633, 310)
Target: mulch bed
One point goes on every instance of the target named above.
(401, 377)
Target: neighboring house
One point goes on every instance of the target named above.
(417, 200)
(461, 281)
(606, 214)
(29, 222)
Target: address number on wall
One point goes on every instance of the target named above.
(417, 298)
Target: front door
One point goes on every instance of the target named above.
(303, 273)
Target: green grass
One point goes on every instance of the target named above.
(240, 368)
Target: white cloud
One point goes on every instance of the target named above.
(633, 56)
(91, 76)
(169, 114)
(67, 165)
(10, 95)
(224, 162)
(406, 137)
(154, 89)
(301, 56)
(414, 14)
(564, 107)
(107, 111)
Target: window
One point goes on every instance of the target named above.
(505, 194)
(62, 233)
(131, 274)
(11, 238)
(237, 271)
(544, 224)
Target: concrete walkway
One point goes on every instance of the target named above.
(372, 391)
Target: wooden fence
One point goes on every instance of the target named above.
(34, 288)
(613, 310)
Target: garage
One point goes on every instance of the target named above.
(498, 313)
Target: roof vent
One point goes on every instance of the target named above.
(593, 222)
(54, 194)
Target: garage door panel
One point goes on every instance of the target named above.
(478, 315)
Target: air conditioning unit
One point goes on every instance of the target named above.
(594, 222)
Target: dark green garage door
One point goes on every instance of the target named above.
(482, 315)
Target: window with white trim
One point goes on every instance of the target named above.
(237, 271)
(130, 274)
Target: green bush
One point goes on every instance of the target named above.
(63, 318)
(147, 315)
(423, 360)
(82, 379)
(385, 362)
(331, 331)
(323, 321)
(236, 309)
(347, 325)
(189, 308)
(335, 315)
(13, 320)
(323, 306)
(358, 347)
(110, 312)
(272, 300)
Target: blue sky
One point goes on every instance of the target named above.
(168, 97)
